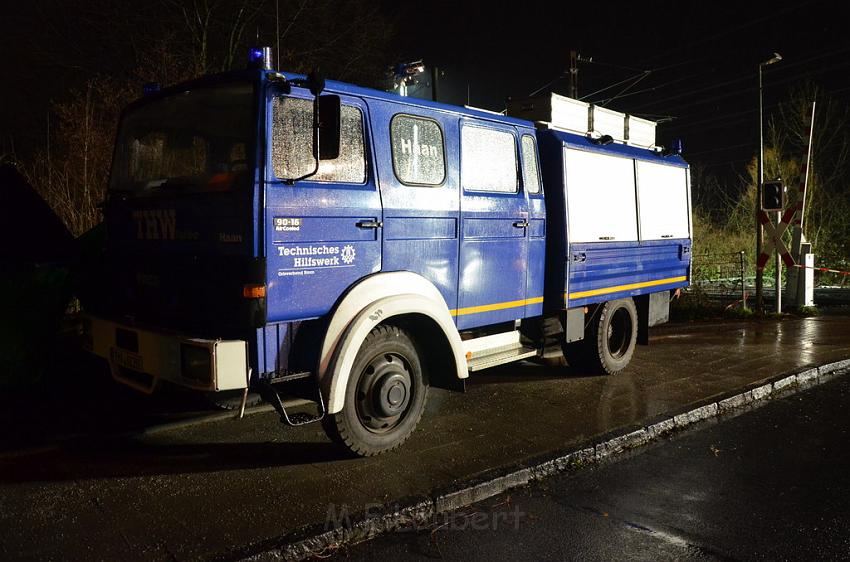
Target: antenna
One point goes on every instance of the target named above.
(574, 74)
(277, 33)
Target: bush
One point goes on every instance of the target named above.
(807, 311)
(694, 304)
(33, 300)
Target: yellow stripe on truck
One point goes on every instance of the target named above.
(494, 306)
(629, 287)
(577, 295)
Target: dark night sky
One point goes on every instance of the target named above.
(703, 57)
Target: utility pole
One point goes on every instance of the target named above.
(759, 231)
(778, 273)
(574, 74)
(435, 73)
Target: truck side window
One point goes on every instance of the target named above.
(292, 143)
(488, 160)
(530, 172)
(418, 151)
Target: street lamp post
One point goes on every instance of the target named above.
(759, 230)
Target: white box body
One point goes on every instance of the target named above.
(641, 132)
(609, 122)
(561, 112)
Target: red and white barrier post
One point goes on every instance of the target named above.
(793, 215)
(800, 282)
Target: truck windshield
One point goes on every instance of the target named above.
(198, 140)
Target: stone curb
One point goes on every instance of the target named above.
(417, 512)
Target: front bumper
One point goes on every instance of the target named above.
(140, 357)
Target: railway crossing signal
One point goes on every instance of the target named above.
(773, 196)
(773, 238)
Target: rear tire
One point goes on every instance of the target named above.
(609, 340)
(385, 396)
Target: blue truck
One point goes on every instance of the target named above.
(273, 232)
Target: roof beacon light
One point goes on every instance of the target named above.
(260, 58)
(678, 146)
(150, 88)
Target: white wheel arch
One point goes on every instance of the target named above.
(372, 301)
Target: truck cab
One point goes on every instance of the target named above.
(266, 229)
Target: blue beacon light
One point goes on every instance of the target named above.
(260, 57)
(255, 54)
(678, 146)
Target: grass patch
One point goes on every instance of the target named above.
(807, 311)
(694, 305)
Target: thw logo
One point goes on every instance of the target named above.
(156, 224)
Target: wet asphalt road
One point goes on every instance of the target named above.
(770, 484)
(74, 485)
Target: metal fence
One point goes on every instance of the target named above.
(720, 277)
(728, 280)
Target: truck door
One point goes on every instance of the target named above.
(321, 232)
(494, 227)
(417, 167)
(532, 185)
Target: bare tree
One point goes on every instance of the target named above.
(827, 204)
(109, 51)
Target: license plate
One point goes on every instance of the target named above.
(126, 359)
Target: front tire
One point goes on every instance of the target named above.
(385, 395)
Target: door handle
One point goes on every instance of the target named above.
(370, 224)
(521, 224)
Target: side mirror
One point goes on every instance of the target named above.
(328, 112)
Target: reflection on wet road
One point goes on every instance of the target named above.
(770, 484)
(200, 490)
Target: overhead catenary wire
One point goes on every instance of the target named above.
(749, 77)
(659, 86)
(546, 85)
(722, 120)
(636, 77)
(610, 65)
(684, 121)
(704, 100)
(703, 40)
(623, 91)
(730, 118)
(643, 73)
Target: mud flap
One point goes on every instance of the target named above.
(653, 309)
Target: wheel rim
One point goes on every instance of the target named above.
(384, 392)
(619, 333)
